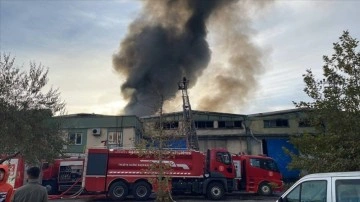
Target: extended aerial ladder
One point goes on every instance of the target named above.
(189, 124)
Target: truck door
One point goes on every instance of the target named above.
(237, 165)
(261, 172)
(224, 164)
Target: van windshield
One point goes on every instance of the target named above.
(267, 164)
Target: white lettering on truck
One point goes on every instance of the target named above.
(171, 163)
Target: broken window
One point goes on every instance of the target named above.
(276, 123)
(304, 123)
(238, 124)
(204, 124)
(171, 125)
(167, 125)
(230, 124)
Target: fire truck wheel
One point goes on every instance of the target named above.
(141, 191)
(215, 191)
(265, 189)
(118, 191)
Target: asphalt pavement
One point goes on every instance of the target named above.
(187, 198)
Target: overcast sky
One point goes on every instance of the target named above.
(76, 39)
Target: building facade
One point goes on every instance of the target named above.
(274, 130)
(213, 129)
(261, 133)
(91, 130)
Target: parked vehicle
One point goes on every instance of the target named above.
(63, 175)
(120, 173)
(16, 168)
(257, 174)
(59, 176)
(330, 187)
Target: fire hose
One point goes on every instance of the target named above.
(61, 196)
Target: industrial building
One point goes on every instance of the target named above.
(262, 133)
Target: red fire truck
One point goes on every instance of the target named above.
(120, 173)
(16, 167)
(63, 175)
(257, 174)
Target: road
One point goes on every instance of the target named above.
(229, 197)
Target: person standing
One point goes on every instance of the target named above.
(33, 191)
(6, 190)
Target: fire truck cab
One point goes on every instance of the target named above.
(257, 174)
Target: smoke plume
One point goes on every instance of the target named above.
(168, 41)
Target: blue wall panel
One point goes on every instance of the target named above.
(275, 150)
(174, 144)
(177, 144)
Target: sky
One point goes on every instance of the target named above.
(76, 40)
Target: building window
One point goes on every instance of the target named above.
(238, 124)
(230, 124)
(115, 138)
(167, 125)
(171, 125)
(276, 123)
(304, 123)
(204, 124)
(75, 138)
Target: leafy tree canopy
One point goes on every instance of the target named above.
(334, 112)
(26, 112)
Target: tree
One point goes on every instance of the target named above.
(334, 112)
(154, 146)
(26, 113)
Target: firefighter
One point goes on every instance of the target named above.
(6, 190)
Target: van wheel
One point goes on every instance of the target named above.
(265, 189)
(215, 191)
(141, 191)
(118, 191)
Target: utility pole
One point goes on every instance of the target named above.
(189, 124)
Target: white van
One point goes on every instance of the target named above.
(325, 187)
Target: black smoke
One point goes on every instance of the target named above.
(166, 43)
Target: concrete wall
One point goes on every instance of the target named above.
(128, 137)
(235, 145)
(256, 124)
(126, 129)
(95, 140)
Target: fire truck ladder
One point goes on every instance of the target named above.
(189, 124)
